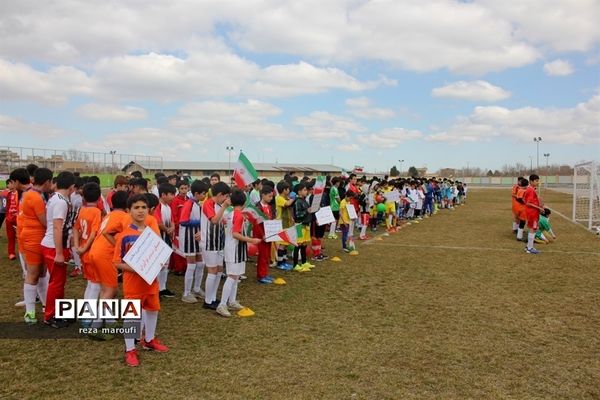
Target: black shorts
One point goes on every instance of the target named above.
(316, 230)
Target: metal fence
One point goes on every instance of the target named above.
(72, 160)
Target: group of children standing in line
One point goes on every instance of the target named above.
(206, 222)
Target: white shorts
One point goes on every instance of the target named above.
(212, 258)
(235, 268)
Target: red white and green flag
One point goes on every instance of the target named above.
(291, 234)
(244, 173)
(254, 214)
(318, 190)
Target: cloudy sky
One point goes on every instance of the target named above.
(436, 83)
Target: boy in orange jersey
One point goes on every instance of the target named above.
(32, 220)
(84, 232)
(515, 190)
(134, 286)
(519, 207)
(120, 184)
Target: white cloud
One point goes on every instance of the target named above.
(562, 25)
(216, 118)
(360, 107)
(323, 125)
(25, 129)
(112, 112)
(147, 140)
(389, 138)
(558, 68)
(407, 34)
(577, 125)
(349, 147)
(422, 36)
(471, 90)
(21, 82)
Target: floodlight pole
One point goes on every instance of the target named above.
(547, 155)
(401, 161)
(229, 149)
(537, 141)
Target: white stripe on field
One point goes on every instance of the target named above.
(480, 248)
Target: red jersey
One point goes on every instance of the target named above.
(12, 206)
(176, 206)
(530, 196)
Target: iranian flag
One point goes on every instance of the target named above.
(318, 190)
(254, 213)
(244, 173)
(291, 234)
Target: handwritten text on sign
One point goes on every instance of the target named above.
(324, 216)
(272, 228)
(147, 255)
(351, 211)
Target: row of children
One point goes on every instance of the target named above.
(528, 209)
(208, 226)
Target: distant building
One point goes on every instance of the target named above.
(200, 169)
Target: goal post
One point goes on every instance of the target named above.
(586, 194)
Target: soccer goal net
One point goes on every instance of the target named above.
(586, 194)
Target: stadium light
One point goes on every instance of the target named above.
(537, 141)
(229, 149)
(400, 161)
(547, 155)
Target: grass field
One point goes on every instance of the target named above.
(451, 308)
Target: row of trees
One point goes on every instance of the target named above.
(511, 170)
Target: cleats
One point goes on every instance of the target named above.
(131, 358)
(199, 294)
(265, 280)
(236, 306)
(155, 345)
(223, 311)
(532, 250)
(75, 273)
(301, 268)
(308, 265)
(166, 293)
(12, 257)
(29, 318)
(330, 236)
(190, 298)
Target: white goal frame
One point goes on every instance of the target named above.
(586, 185)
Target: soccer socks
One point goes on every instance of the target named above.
(162, 279)
(215, 288)
(519, 233)
(211, 282)
(233, 294)
(29, 293)
(92, 291)
(42, 288)
(515, 226)
(530, 238)
(227, 289)
(188, 280)
(150, 321)
(363, 231)
(198, 275)
(332, 228)
(316, 247)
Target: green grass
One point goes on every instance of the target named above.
(451, 308)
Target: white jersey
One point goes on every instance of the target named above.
(235, 250)
(58, 207)
(212, 236)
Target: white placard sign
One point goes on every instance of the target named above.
(272, 228)
(148, 255)
(394, 195)
(351, 211)
(324, 216)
